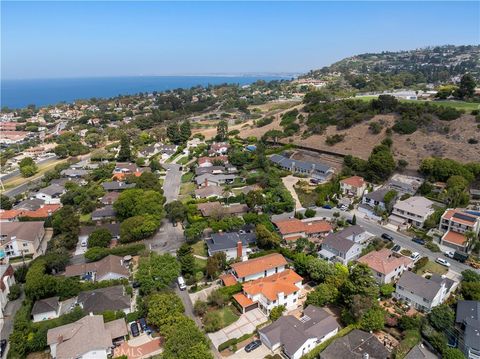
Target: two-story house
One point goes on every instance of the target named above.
(387, 266)
(233, 244)
(344, 246)
(258, 267)
(281, 288)
(51, 194)
(374, 199)
(21, 238)
(413, 210)
(422, 293)
(353, 186)
(292, 229)
(454, 223)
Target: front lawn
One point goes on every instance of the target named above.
(200, 264)
(220, 318)
(307, 197)
(200, 249)
(85, 218)
(432, 267)
(187, 188)
(187, 177)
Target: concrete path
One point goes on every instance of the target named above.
(203, 294)
(289, 181)
(247, 323)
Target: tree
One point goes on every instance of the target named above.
(100, 238)
(138, 227)
(135, 202)
(186, 259)
(162, 308)
(5, 202)
(185, 131)
(380, 164)
(27, 167)
(386, 290)
(200, 307)
(453, 353)
(173, 132)
(354, 220)
(265, 238)
(467, 87)
(310, 213)
(276, 312)
(124, 154)
(157, 272)
(319, 269)
(146, 181)
(216, 264)
(93, 139)
(374, 319)
(222, 130)
(324, 293)
(176, 211)
(155, 165)
(61, 151)
(441, 317)
(254, 199)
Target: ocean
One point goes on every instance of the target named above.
(42, 92)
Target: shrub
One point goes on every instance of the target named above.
(433, 247)
(309, 213)
(200, 307)
(422, 262)
(405, 127)
(229, 291)
(212, 322)
(15, 292)
(334, 139)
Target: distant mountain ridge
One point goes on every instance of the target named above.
(375, 71)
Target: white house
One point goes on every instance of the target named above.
(414, 210)
(337, 248)
(258, 267)
(45, 309)
(233, 244)
(454, 223)
(7, 280)
(353, 186)
(281, 288)
(51, 194)
(297, 337)
(423, 293)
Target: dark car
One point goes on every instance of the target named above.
(3, 346)
(134, 329)
(252, 346)
(135, 284)
(396, 248)
(143, 324)
(387, 237)
(418, 240)
(327, 206)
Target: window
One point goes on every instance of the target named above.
(25, 244)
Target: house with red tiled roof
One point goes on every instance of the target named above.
(210, 161)
(259, 267)
(387, 266)
(292, 229)
(454, 223)
(281, 288)
(353, 186)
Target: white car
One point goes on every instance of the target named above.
(443, 262)
(449, 254)
(415, 256)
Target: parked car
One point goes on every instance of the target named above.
(387, 237)
(449, 254)
(415, 256)
(418, 240)
(327, 206)
(181, 283)
(461, 257)
(343, 207)
(143, 324)
(396, 248)
(3, 346)
(135, 284)
(442, 261)
(134, 329)
(252, 346)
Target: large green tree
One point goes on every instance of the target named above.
(163, 308)
(186, 259)
(467, 87)
(222, 130)
(157, 272)
(27, 167)
(124, 154)
(135, 202)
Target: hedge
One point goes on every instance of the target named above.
(315, 352)
(230, 290)
(234, 341)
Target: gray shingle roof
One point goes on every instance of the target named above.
(104, 212)
(52, 190)
(468, 314)
(283, 161)
(117, 186)
(45, 305)
(377, 195)
(223, 241)
(292, 333)
(338, 242)
(423, 287)
(355, 345)
(100, 300)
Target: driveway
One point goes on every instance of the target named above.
(203, 294)
(167, 239)
(246, 324)
(289, 181)
(261, 352)
(139, 349)
(8, 316)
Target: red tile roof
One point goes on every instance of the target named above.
(354, 181)
(228, 280)
(384, 261)
(243, 300)
(294, 225)
(455, 238)
(270, 287)
(258, 265)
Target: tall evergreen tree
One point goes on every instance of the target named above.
(173, 133)
(185, 131)
(222, 130)
(125, 153)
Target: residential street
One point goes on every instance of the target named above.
(8, 315)
(173, 179)
(401, 239)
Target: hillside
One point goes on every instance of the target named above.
(387, 70)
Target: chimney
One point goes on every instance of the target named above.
(206, 182)
(366, 356)
(239, 249)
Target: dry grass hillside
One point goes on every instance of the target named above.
(359, 140)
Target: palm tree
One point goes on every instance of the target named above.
(226, 192)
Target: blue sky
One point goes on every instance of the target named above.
(73, 39)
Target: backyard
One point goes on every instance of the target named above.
(432, 267)
(200, 249)
(220, 318)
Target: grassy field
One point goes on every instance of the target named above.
(182, 161)
(432, 267)
(85, 218)
(19, 180)
(227, 316)
(459, 105)
(187, 188)
(307, 198)
(187, 177)
(200, 249)
(200, 264)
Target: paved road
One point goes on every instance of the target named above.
(8, 316)
(398, 238)
(173, 180)
(17, 172)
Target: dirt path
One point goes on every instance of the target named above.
(289, 182)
